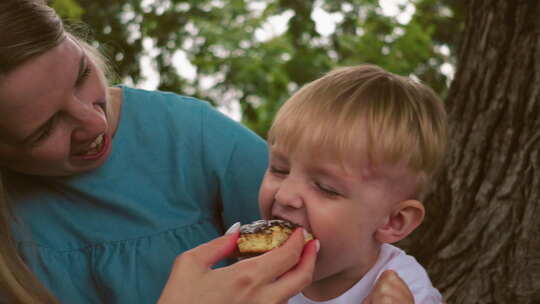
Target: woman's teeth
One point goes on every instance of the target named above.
(97, 141)
(96, 145)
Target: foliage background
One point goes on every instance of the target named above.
(231, 63)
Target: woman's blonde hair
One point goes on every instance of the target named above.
(28, 28)
(365, 110)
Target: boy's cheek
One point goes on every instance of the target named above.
(267, 192)
(265, 209)
(265, 204)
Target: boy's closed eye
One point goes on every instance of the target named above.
(327, 190)
(278, 170)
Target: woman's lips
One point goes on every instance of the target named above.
(99, 147)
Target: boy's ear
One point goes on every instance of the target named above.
(405, 217)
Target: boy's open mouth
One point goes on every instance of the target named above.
(306, 227)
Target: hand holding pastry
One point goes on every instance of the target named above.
(270, 278)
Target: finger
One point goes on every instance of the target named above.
(279, 260)
(307, 255)
(394, 281)
(391, 275)
(367, 300)
(301, 275)
(390, 286)
(212, 252)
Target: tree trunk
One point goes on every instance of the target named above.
(481, 238)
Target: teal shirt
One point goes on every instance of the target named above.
(179, 173)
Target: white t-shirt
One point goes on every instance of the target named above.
(391, 257)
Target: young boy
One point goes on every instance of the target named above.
(350, 153)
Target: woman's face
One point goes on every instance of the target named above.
(52, 114)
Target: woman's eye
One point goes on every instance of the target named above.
(327, 190)
(44, 134)
(83, 76)
(46, 131)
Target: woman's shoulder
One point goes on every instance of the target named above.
(181, 110)
(197, 120)
(160, 109)
(142, 96)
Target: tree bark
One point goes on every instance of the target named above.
(481, 238)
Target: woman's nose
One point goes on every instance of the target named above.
(90, 121)
(289, 194)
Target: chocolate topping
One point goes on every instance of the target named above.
(262, 226)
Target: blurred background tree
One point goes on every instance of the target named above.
(223, 51)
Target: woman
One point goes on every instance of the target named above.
(102, 220)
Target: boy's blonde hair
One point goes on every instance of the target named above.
(365, 109)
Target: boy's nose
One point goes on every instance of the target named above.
(289, 195)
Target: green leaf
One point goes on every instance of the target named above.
(68, 9)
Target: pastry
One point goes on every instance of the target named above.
(264, 235)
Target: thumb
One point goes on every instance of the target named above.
(216, 250)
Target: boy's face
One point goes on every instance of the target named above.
(341, 203)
